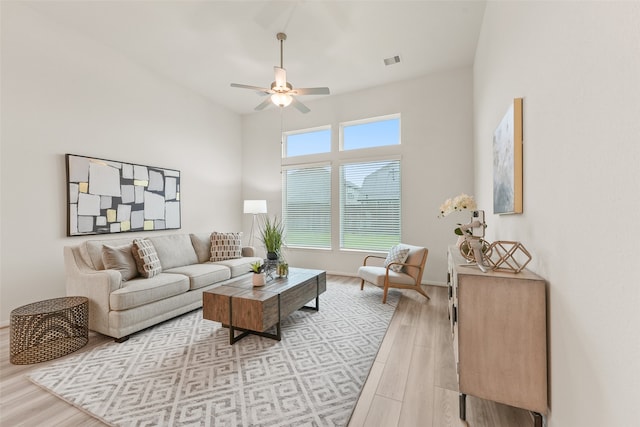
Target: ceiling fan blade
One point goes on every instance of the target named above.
(312, 91)
(281, 76)
(299, 105)
(256, 88)
(264, 104)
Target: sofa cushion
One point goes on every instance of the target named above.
(201, 275)
(202, 245)
(146, 258)
(91, 250)
(120, 258)
(225, 246)
(137, 292)
(238, 266)
(174, 250)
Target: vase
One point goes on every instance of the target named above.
(283, 269)
(273, 256)
(258, 279)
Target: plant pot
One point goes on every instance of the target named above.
(258, 279)
(272, 256)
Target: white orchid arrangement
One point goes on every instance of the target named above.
(457, 204)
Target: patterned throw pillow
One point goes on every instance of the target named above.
(146, 258)
(226, 246)
(396, 254)
(120, 258)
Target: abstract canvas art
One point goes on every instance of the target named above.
(507, 161)
(106, 196)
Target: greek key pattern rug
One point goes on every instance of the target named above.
(184, 372)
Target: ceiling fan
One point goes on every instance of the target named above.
(281, 91)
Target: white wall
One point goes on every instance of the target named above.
(577, 66)
(64, 93)
(437, 132)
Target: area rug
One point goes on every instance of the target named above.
(184, 372)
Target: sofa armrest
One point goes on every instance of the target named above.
(96, 285)
(248, 251)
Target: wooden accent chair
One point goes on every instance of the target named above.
(409, 277)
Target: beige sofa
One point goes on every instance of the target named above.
(118, 308)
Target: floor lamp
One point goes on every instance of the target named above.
(254, 207)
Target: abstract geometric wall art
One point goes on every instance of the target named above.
(507, 162)
(106, 196)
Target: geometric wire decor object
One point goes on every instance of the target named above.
(106, 196)
(508, 256)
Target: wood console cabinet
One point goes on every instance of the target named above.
(498, 322)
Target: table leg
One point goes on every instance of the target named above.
(463, 406)
(232, 329)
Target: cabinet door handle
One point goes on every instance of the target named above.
(454, 314)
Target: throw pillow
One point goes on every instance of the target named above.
(226, 246)
(120, 258)
(146, 258)
(396, 254)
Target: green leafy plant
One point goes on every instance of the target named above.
(272, 234)
(257, 267)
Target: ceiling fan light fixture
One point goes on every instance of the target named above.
(281, 99)
(281, 92)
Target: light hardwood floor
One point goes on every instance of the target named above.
(412, 381)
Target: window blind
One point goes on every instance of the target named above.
(370, 205)
(307, 206)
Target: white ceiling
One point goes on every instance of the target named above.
(206, 45)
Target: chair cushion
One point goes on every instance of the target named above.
(399, 254)
(376, 276)
(201, 275)
(415, 257)
(120, 258)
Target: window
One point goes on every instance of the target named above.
(371, 133)
(370, 205)
(307, 142)
(366, 182)
(307, 206)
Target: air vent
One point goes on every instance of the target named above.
(392, 60)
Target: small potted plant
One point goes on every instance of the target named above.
(271, 233)
(257, 268)
(283, 268)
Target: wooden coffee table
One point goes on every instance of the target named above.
(242, 307)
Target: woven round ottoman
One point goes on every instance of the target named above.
(45, 330)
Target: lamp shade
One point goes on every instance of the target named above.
(281, 99)
(255, 206)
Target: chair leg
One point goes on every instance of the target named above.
(384, 293)
(420, 290)
(362, 284)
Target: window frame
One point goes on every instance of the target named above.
(335, 159)
(285, 136)
(387, 117)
